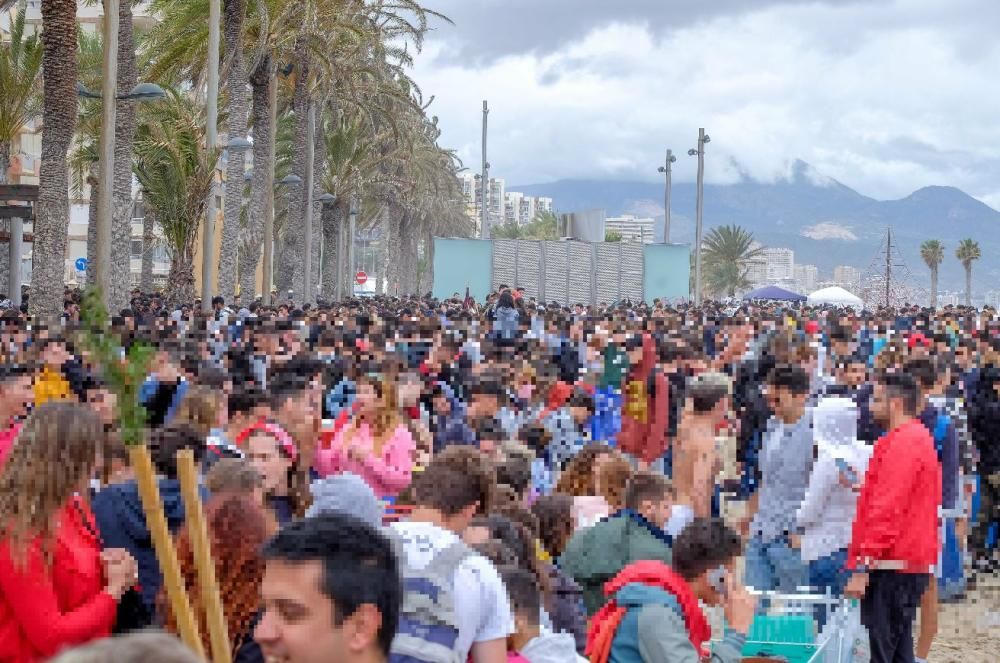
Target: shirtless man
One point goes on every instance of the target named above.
(696, 461)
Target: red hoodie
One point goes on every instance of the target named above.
(644, 415)
(897, 517)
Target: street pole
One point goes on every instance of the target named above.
(15, 248)
(107, 144)
(211, 140)
(307, 286)
(700, 205)
(484, 183)
(667, 169)
(268, 264)
(352, 222)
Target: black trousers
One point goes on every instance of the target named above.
(888, 609)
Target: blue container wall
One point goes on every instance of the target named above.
(666, 271)
(461, 263)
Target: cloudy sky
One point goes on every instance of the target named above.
(884, 95)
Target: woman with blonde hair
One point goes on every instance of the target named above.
(374, 444)
(203, 409)
(57, 589)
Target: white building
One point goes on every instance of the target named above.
(780, 263)
(847, 277)
(495, 198)
(631, 228)
(512, 208)
(806, 278)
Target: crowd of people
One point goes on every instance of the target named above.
(419, 480)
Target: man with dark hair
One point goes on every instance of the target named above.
(653, 613)
(331, 591)
(773, 560)
(534, 644)
(596, 554)
(469, 612)
(894, 540)
(16, 396)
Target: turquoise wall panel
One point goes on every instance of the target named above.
(461, 263)
(667, 271)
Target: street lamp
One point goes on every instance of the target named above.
(700, 205)
(666, 168)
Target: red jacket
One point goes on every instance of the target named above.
(897, 516)
(45, 610)
(644, 415)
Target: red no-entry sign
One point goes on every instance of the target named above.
(360, 277)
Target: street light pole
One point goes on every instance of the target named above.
(484, 183)
(267, 267)
(307, 288)
(699, 208)
(352, 220)
(211, 141)
(108, 117)
(667, 169)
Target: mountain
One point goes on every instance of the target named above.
(825, 222)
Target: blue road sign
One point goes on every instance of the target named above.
(81, 264)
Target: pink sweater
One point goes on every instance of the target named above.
(387, 473)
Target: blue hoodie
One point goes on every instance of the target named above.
(122, 524)
(451, 428)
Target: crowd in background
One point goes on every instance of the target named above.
(568, 481)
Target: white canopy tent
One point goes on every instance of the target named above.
(834, 296)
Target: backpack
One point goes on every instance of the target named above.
(428, 628)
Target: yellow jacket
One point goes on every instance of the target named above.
(50, 385)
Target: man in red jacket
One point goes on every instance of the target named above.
(894, 543)
(644, 415)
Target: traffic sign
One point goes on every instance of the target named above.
(361, 277)
(81, 264)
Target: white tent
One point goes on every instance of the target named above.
(834, 296)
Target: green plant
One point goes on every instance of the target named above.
(124, 372)
(612, 236)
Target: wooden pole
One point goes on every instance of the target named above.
(215, 618)
(166, 554)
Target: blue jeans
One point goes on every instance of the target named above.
(828, 573)
(774, 566)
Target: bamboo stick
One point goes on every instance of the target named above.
(166, 554)
(215, 619)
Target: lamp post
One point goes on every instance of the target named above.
(211, 138)
(352, 220)
(699, 208)
(666, 169)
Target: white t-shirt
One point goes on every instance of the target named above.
(482, 609)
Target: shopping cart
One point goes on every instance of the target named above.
(785, 630)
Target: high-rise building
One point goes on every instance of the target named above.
(847, 277)
(631, 228)
(806, 278)
(512, 208)
(780, 263)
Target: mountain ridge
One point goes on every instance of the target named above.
(825, 222)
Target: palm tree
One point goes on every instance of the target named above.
(932, 251)
(726, 251)
(59, 68)
(20, 102)
(967, 253)
(175, 171)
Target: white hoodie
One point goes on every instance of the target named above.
(552, 648)
(828, 508)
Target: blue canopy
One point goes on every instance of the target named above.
(775, 293)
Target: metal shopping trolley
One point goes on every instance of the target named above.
(785, 630)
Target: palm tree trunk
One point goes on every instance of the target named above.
(93, 181)
(148, 238)
(123, 202)
(180, 281)
(319, 162)
(236, 88)
(296, 212)
(5, 150)
(429, 258)
(968, 284)
(331, 218)
(261, 82)
(59, 69)
(934, 286)
(390, 267)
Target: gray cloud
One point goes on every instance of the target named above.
(886, 96)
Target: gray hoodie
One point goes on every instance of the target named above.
(552, 648)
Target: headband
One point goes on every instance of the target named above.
(274, 430)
